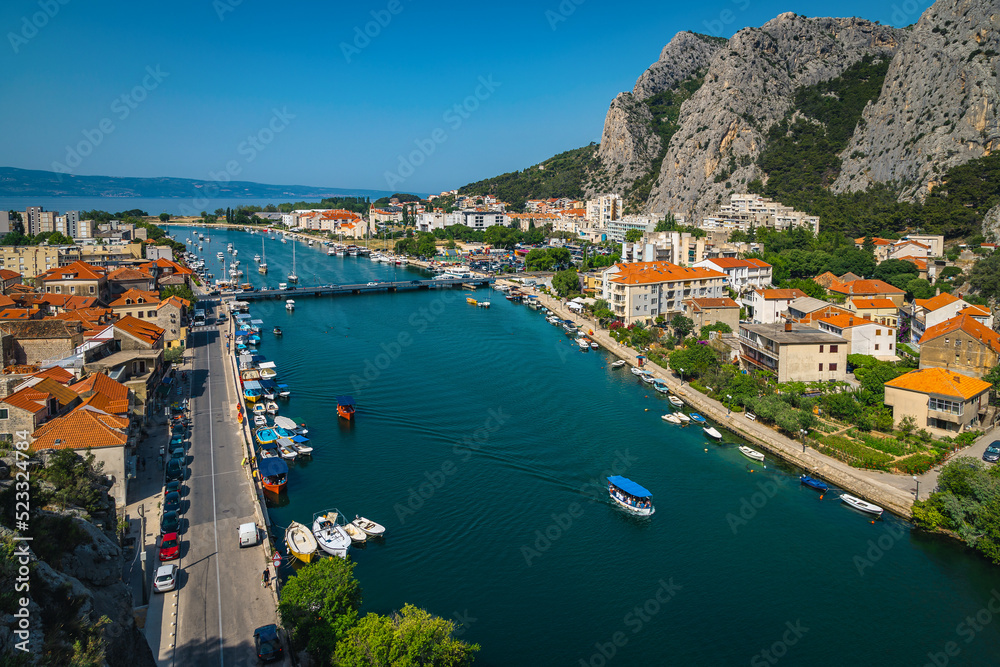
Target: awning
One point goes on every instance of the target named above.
(251, 384)
(243, 316)
(286, 423)
(266, 364)
(272, 467)
(299, 438)
(283, 442)
(630, 487)
(256, 321)
(345, 400)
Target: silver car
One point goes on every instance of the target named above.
(165, 579)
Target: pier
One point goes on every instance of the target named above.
(359, 288)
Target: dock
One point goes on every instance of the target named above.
(359, 288)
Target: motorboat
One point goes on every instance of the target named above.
(355, 533)
(483, 304)
(861, 505)
(268, 373)
(676, 402)
(371, 528)
(259, 420)
(252, 395)
(593, 345)
(302, 448)
(330, 537)
(259, 409)
(751, 453)
(287, 452)
(671, 417)
(630, 496)
(277, 331)
(290, 304)
(583, 344)
(647, 377)
(637, 371)
(289, 425)
(270, 453)
(618, 364)
(270, 406)
(284, 391)
(712, 432)
(282, 286)
(695, 417)
(265, 436)
(300, 542)
(345, 407)
(661, 386)
(683, 417)
(814, 483)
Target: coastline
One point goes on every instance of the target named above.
(855, 481)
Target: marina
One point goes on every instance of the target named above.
(440, 435)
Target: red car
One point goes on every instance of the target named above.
(170, 547)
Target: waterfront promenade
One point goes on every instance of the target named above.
(880, 488)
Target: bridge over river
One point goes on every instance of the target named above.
(360, 288)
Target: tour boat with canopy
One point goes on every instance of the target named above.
(273, 474)
(630, 496)
(345, 407)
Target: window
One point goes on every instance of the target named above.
(821, 367)
(958, 344)
(834, 348)
(890, 346)
(942, 405)
(878, 332)
(833, 367)
(821, 349)
(876, 347)
(151, 313)
(3, 413)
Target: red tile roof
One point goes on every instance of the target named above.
(84, 428)
(873, 304)
(135, 297)
(941, 381)
(78, 270)
(865, 287)
(57, 373)
(129, 273)
(732, 263)
(643, 273)
(969, 325)
(143, 330)
(770, 294)
(7, 274)
(104, 393)
(843, 321)
(705, 304)
(934, 303)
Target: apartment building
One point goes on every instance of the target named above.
(641, 291)
(617, 229)
(862, 336)
(927, 313)
(742, 273)
(765, 306)
(746, 211)
(35, 259)
(961, 344)
(794, 353)
(604, 209)
(679, 248)
(868, 289)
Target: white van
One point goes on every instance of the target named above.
(248, 535)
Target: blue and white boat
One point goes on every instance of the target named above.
(630, 496)
(814, 483)
(695, 417)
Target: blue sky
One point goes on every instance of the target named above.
(291, 94)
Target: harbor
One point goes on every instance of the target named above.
(482, 441)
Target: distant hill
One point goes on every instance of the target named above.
(36, 183)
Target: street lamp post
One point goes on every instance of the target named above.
(681, 371)
(729, 407)
(804, 433)
(918, 487)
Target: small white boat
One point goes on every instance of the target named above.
(671, 417)
(483, 304)
(268, 373)
(271, 407)
(593, 345)
(751, 453)
(618, 364)
(861, 505)
(330, 537)
(355, 533)
(676, 402)
(583, 344)
(259, 420)
(711, 432)
(647, 378)
(302, 448)
(290, 304)
(371, 528)
(288, 453)
(683, 417)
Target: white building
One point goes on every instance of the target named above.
(766, 306)
(742, 273)
(675, 247)
(746, 211)
(618, 228)
(604, 209)
(643, 291)
(863, 336)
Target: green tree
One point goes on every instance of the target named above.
(319, 605)
(869, 245)
(695, 360)
(183, 291)
(810, 287)
(164, 217)
(566, 282)
(682, 326)
(721, 327)
(633, 235)
(410, 638)
(920, 289)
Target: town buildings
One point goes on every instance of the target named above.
(941, 401)
(793, 352)
(746, 211)
(643, 291)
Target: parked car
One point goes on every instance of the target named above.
(372, 284)
(175, 469)
(992, 453)
(248, 535)
(172, 502)
(173, 485)
(267, 643)
(170, 547)
(170, 522)
(165, 579)
(414, 282)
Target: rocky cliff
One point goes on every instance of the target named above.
(938, 107)
(749, 87)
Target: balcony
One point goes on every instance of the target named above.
(764, 349)
(764, 362)
(944, 416)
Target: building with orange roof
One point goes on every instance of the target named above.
(171, 316)
(942, 401)
(896, 249)
(87, 430)
(927, 313)
(793, 352)
(127, 278)
(707, 311)
(883, 311)
(961, 344)
(106, 394)
(765, 306)
(78, 279)
(32, 404)
(869, 289)
(808, 310)
(20, 314)
(826, 279)
(741, 273)
(135, 334)
(862, 336)
(138, 304)
(642, 291)
(8, 279)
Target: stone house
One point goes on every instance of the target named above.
(33, 342)
(135, 334)
(78, 279)
(128, 278)
(961, 344)
(704, 312)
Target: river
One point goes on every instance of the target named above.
(481, 441)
